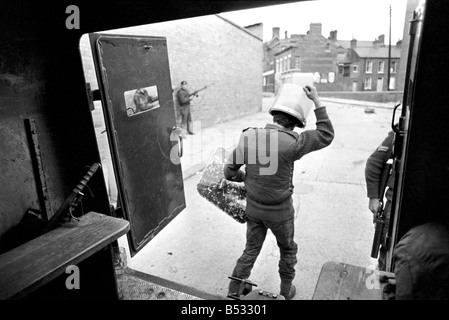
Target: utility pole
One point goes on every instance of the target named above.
(389, 55)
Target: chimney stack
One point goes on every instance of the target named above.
(286, 36)
(379, 42)
(315, 29)
(333, 35)
(353, 43)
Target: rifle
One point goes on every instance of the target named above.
(380, 219)
(71, 201)
(201, 89)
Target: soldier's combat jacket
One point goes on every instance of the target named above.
(268, 155)
(375, 165)
(183, 97)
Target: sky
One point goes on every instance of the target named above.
(353, 19)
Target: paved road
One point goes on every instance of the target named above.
(201, 245)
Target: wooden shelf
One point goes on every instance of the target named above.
(35, 263)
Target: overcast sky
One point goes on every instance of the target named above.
(359, 19)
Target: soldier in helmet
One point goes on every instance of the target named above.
(269, 188)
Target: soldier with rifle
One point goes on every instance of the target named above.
(379, 183)
(184, 98)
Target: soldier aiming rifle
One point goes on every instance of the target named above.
(184, 98)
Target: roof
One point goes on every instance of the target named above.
(284, 50)
(343, 58)
(255, 24)
(360, 43)
(273, 41)
(381, 52)
(239, 27)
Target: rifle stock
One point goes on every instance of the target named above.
(73, 199)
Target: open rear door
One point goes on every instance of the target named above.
(136, 93)
(402, 138)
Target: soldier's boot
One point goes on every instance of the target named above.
(287, 290)
(236, 289)
(233, 290)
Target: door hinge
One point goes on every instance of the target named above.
(92, 95)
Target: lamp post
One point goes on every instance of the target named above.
(389, 55)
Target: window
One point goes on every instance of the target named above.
(341, 70)
(298, 63)
(355, 68)
(278, 67)
(331, 77)
(328, 47)
(393, 67)
(381, 67)
(289, 58)
(367, 83)
(369, 67)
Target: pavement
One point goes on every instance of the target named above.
(199, 248)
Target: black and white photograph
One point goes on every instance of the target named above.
(224, 155)
(142, 99)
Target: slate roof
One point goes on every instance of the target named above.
(360, 43)
(381, 52)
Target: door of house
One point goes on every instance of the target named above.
(380, 84)
(354, 86)
(136, 93)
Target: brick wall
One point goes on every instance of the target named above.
(315, 57)
(205, 50)
(386, 96)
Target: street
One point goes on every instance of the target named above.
(200, 246)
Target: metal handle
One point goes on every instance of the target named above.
(177, 132)
(180, 146)
(393, 127)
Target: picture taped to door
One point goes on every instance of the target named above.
(141, 99)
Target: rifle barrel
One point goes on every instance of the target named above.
(201, 89)
(68, 201)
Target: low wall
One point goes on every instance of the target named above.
(390, 96)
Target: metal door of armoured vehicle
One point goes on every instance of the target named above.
(136, 93)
